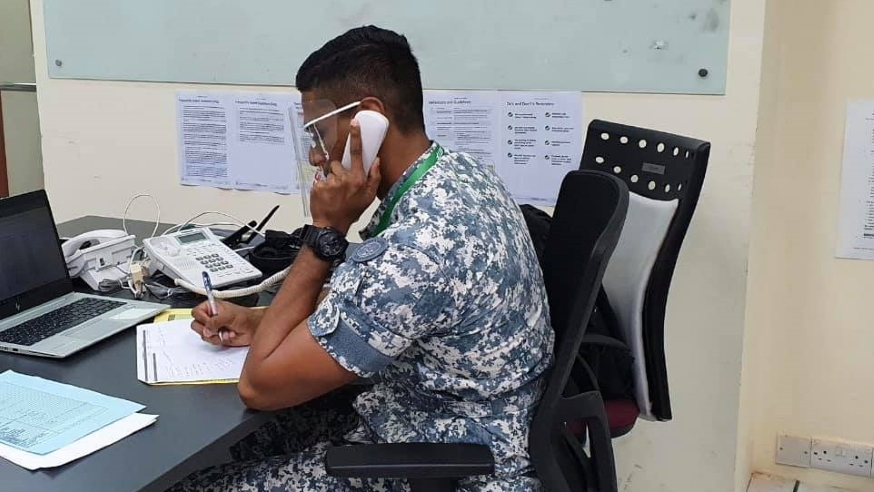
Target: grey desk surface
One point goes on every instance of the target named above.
(196, 424)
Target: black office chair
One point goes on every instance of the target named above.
(664, 173)
(588, 221)
(585, 229)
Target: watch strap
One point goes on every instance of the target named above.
(310, 237)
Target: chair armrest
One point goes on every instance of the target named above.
(410, 460)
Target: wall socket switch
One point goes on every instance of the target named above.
(840, 457)
(793, 451)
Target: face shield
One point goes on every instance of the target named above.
(321, 129)
(320, 121)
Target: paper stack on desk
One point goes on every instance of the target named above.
(173, 314)
(171, 353)
(45, 424)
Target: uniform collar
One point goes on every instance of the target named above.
(367, 232)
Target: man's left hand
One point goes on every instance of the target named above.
(340, 199)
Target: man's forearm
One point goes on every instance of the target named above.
(295, 301)
(256, 314)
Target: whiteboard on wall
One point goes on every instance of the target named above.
(661, 46)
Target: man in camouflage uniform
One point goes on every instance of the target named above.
(443, 302)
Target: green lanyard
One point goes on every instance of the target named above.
(426, 166)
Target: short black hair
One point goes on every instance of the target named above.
(364, 62)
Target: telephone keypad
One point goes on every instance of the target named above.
(213, 262)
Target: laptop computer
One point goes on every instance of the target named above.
(40, 314)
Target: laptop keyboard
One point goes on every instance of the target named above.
(54, 322)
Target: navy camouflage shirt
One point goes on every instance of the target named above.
(447, 307)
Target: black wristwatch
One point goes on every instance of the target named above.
(327, 243)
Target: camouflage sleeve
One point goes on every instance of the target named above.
(383, 299)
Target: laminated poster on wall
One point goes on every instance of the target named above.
(530, 139)
(856, 221)
(254, 141)
(236, 140)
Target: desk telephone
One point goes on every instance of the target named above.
(99, 256)
(186, 254)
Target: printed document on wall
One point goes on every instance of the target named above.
(542, 142)
(531, 139)
(465, 121)
(856, 222)
(237, 140)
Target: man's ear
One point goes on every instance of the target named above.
(373, 104)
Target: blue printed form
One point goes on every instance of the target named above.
(41, 416)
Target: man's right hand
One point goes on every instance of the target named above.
(237, 324)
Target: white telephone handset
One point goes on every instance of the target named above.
(374, 126)
(104, 256)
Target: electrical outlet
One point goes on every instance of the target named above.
(793, 451)
(839, 457)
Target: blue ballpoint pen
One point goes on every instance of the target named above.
(210, 299)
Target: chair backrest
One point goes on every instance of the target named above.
(664, 173)
(586, 226)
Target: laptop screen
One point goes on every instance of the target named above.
(32, 267)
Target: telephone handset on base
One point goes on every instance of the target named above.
(99, 256)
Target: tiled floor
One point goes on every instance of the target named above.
(768, 483)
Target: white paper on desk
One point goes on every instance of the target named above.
(531, 139)
(542, 142)
(856, 234)
(237, 140)
(172, 353)
(40, 416)
(95, 441)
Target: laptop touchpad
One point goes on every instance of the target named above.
(92, 329)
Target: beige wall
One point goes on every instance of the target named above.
(808, 365)
(106, 141)
(19, 109)
(15, 41)
(23, 153)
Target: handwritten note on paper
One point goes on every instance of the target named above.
(171, 353)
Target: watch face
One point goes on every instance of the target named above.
(331, 244)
